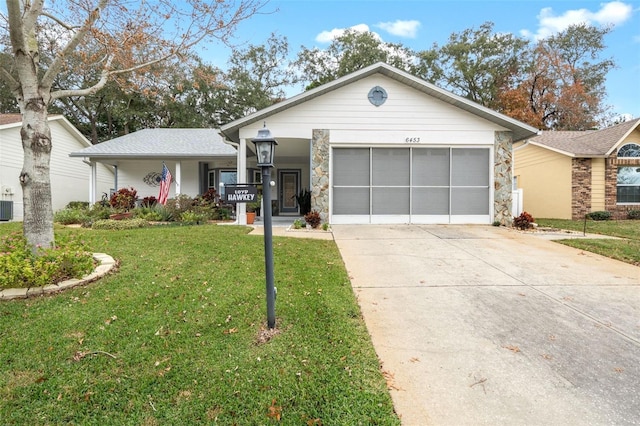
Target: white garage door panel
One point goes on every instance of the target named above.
(411, 185)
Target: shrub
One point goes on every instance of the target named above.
(193, 217)
(119, 224)
(149, 201)
(100, 211)
(78, 205)
(600, 215)
(313, 219)
(633, 214)
(147, 213)
(325, 226)
(524, 221)
(124, 199)
(19, 267)
(180, 204)
(303, 198)
(222, 213)
(210, 197)
(68, 216)
(163, 213)
(298, 224)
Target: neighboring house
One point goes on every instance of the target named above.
(567, 174)
(69, 176)
(198, 160)
(383, 146)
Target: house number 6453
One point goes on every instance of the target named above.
(412, 140)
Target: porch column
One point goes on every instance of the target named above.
(241, 170)
(93, 182)
(503, 178)
(178, 177)
(320, 172)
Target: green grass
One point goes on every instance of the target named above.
(172, 338)
(626, 249)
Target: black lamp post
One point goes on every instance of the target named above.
(265, 150)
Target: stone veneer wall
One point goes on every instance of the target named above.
(611, 190)
(320, 172)
(503, 178)
(580, 187)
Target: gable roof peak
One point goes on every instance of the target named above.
(520, 130)
(587, 143)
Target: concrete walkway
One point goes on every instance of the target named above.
(479, 325)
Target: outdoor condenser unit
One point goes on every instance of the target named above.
(6, 210)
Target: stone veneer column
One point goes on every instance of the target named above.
(580, 187)
(320, 172)
(503, 178)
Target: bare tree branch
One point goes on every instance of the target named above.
(56, 65)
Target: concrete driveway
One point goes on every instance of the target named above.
(483, 325)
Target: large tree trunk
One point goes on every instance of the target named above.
(34, 178)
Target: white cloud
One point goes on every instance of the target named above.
(401, 28)
(612, 13)
(329, 36)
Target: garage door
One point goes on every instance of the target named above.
(411, 185)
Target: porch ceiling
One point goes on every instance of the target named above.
(287, 149)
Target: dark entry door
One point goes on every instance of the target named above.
(289, 184)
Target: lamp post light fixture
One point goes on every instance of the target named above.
(265, 149)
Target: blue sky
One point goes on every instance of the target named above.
(419, 23)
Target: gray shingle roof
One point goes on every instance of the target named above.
(10, 118)
(589, 143)
(162, 143)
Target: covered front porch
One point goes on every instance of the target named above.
(290, 175)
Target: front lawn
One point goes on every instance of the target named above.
(176, 336)
(626, 249)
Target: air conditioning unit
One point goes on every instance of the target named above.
(6, 210)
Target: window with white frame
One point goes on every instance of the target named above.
(628, 182)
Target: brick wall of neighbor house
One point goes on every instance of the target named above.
(611, 180)
(580, 187)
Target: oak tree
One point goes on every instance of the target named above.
(350, 52)
(563, 87)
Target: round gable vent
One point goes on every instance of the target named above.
(377, 96)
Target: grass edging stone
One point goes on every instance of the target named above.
(107, 263)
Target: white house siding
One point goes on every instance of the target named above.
(69, 176)
(407, 119)
(405, 110)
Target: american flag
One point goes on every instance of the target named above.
(165, 183)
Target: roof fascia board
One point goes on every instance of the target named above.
(65, 123)
(559, 151)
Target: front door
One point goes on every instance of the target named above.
(289, 185)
